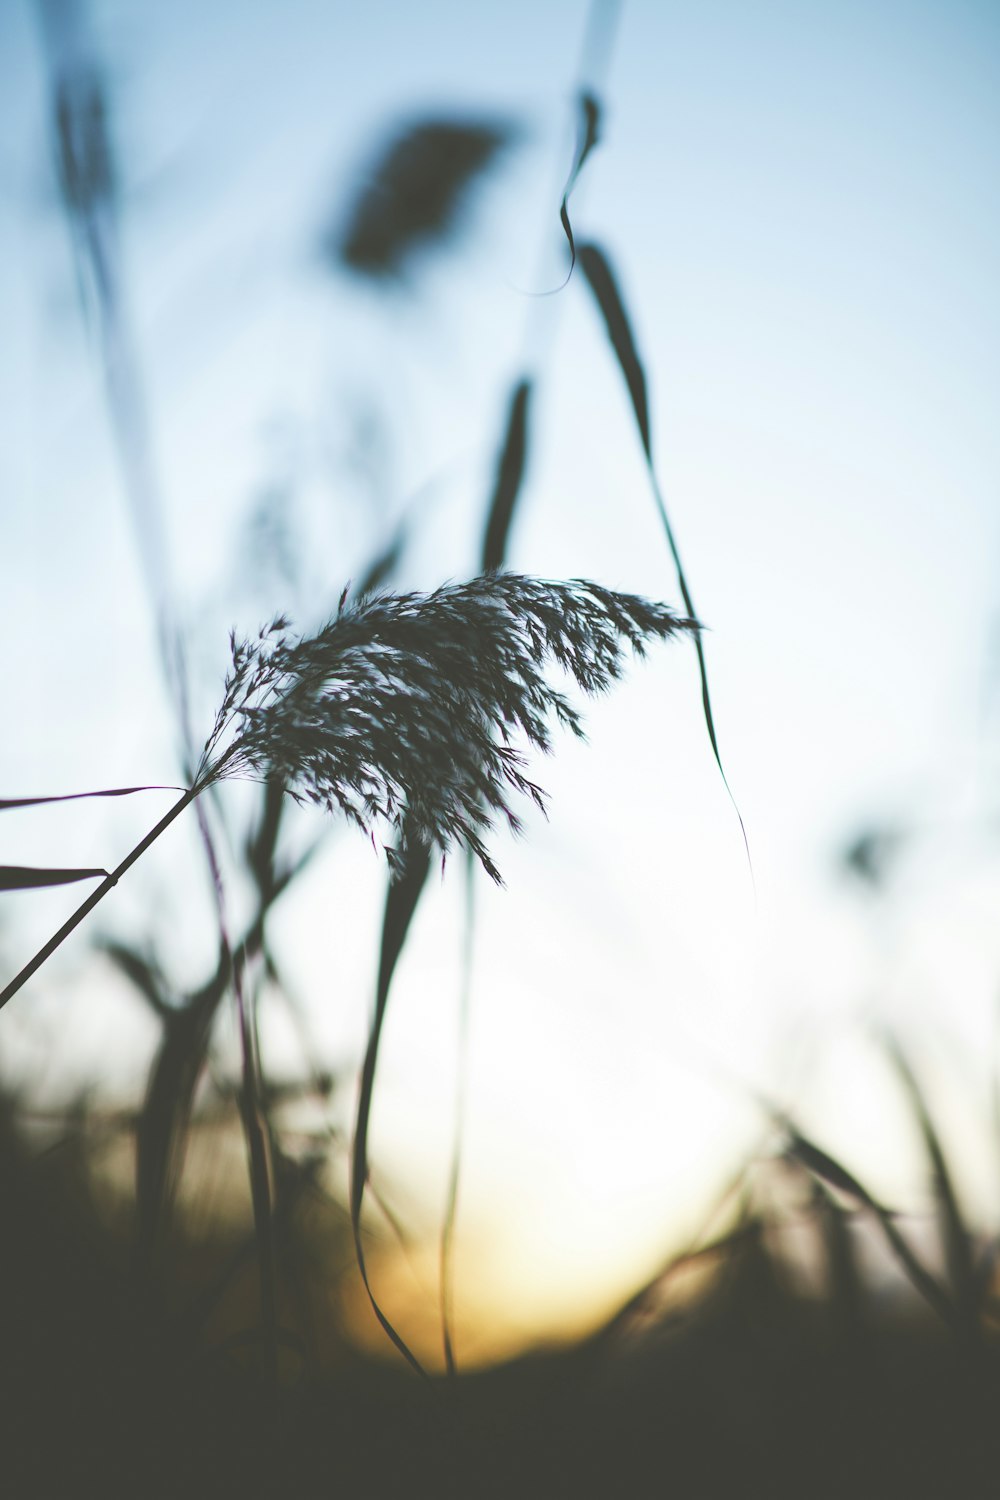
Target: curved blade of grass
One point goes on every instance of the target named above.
(823, 1166)
(90, 204)
(176, 1070)
(603, 284)
(401, 902)
(500, 515)
(507, 484)
(588, 137)
(597, 269)
(28, 878)
(955, 1236)
(118, 791)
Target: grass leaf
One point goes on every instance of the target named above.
(451, 1202)
(604, 286)
(162, 1125)
(603, 283)
(957, 1241)
(507, 485)
(401, 902)
(25, 877)
(821, 1165)
(118, 791)
(260, 849)
(589, 135)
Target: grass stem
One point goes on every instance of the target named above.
(87, 906)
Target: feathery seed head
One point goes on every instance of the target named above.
(408, 709)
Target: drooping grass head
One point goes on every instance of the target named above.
(422, 705)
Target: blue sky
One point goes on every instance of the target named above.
(801, 201)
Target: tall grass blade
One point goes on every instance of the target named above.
(89, 194)
(821, 1165)
(604, 286)
(173, 1079)
(166, 1112)
(451, 1202)
(401, 903)
(587, 139)
(603, 283)
(261, 846)
(89, 173)
(845, 1284)
(26, 878)
(507, 484)
(955, 1236)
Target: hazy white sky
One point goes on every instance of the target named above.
(801, 201)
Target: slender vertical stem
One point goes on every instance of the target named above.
(447, 1267)
(257, 1134)
(256, 1129)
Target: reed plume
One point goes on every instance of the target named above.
(422, 706)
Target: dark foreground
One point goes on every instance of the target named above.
(749, 1390)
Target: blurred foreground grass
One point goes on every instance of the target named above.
(786, 1355)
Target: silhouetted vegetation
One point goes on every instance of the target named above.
(814, 1343)
(724, 1373)
(413, 196)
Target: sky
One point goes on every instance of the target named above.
(800, 201)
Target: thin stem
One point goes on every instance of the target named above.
(451, 1208)
(256, 1129)
(257, 1134)
(86, 907)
